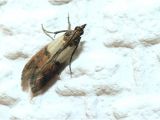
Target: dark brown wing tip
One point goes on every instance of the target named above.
(24, 84)
(45, 88)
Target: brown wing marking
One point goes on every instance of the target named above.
(49, 75)
(32, 67)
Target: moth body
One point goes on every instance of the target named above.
(44, 68)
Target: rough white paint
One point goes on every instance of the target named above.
(116, 77)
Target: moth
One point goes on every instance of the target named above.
(44, 68)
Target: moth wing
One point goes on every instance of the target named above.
(49, 74)
(31, 68)
(26, 73)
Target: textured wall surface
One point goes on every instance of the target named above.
(117, 75)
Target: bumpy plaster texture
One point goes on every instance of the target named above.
(116, 76)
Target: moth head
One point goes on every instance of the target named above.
(74, 36)
(79, 29)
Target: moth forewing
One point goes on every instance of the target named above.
(54, 45)
(44, 67)
(32, 66)
(65, 56)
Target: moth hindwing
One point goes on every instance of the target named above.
(44, 68)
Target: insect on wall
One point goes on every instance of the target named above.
(44, 68)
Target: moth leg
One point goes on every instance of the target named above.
(57, 32)
(71, 59)
(46, 32)
(69, 23)
(70, 69)
(69, 27)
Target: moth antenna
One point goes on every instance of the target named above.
(46, 32)
(57, 32)
(69, 23)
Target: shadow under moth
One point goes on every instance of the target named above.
(44, 68)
